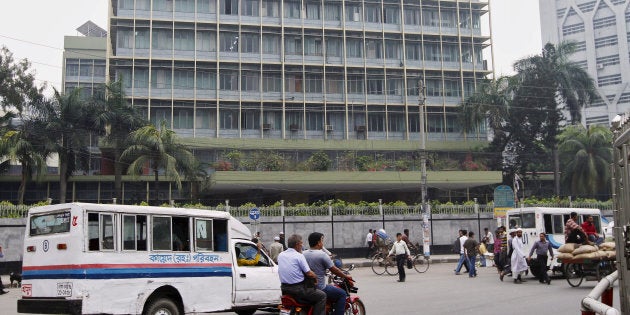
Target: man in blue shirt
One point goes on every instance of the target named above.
(319, 262)
(541, 248)
(293, 270)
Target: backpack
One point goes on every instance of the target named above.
(456, 246)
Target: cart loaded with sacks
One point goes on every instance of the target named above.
(586, 262)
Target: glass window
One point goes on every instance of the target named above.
(107, 231)
(412, 16)
(206, 41)
(185, 6)
(372, 14)
(203, 235)
(161, 232)
(228, 41)
(249, 8)
(72, 67)
(183, 119)
(332, 12)
(206, 80)
(558, 224)
(313, 46)
(248, 255)
(354, 47)
(184, 40)
(219, 228)
(272, 82)
(250, 119)
(206, 6)
(250, 43)
(85, 67)
(376, 121)
(50, 223)
(271, 44)
(392, 15)
(292, 9)
(271, 8)
(134, 232)
(313, 11)
(250, 81)
(229, 118)
(162, 39)
(314, 121)
(228, 80)
(229, 7)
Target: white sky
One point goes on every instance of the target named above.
(516, 31)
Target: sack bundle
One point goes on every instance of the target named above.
(565, 256)
(568, 248)
(585, 249)
(607, 246)
(590, 255)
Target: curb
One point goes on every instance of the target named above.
(368, 263)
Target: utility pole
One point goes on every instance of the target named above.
(426, 234)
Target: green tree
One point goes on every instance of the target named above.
(550, 82)
(68, 121)
(586, 155)
(319, 161)
(17, 83)
(117, 119)
(158, 149)
(27, 146)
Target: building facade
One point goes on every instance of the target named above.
(299, 69)
(601, 30)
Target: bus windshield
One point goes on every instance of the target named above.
(50, 223)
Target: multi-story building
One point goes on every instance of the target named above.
(84, 60)
(601, 30)
(252, 74)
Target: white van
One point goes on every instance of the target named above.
(551, 221)
(114, 259)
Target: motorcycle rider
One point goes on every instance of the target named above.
(293, 271)
(319, 262)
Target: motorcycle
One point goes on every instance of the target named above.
(353, 306)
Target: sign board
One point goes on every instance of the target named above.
(254, 214)
(503, 200)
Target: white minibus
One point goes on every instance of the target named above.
(115, 259)
(551, 221)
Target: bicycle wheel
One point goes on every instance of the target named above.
(421, 263)
(356, 308)
(390, 266)
(574, 274)
(378, 264)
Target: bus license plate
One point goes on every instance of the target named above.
(64, 288)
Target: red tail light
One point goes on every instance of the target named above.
(62, 246)
(30, 248)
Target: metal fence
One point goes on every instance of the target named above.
(17, 211)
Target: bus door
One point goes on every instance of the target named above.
(256, 277)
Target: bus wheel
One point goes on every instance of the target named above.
(246, 312)
(161, 306)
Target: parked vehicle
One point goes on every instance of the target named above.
(551, 221)
(79, 258)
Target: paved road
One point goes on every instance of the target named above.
(439, 291)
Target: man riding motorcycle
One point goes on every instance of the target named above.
(319, 262)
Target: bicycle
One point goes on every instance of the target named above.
(420, 261)
(382, 263)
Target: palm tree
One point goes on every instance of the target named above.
(27, 146)
(490, 103)
(559, 84)
(117, 119)
(68, 121)
(586, 155)
(158, 149)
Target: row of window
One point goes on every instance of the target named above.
(85, 67)
(253, 81)
(132, 232)
(377, 119)
(389, 13)
(311, 45)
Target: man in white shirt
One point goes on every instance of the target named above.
(368, 241)
(489, 240)
(463, 260)
(400, 249)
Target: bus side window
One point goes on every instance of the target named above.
(92, 232)
(161, 233)
(135, 232)
(107, 231)
(548, 224)
(558, 224)
(219, 228)
(181, 234)
(203, 235)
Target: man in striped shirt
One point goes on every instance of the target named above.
(573, 232)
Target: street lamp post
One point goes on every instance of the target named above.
(426, 234)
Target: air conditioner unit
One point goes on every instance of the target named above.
(600, 66)
(294, 127)
(329, 128)
(266, 127)
(355, 17)
(360, 128)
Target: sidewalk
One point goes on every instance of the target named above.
(435, 259)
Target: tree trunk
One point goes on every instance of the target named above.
(556, 169)
(22, 189)
(118, 176)
(63, 179)
(157, 187)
